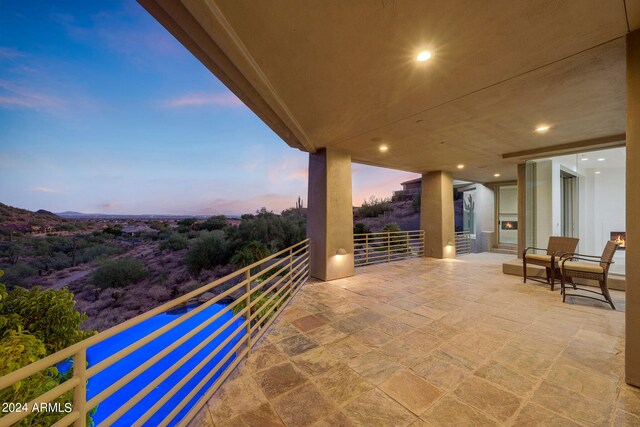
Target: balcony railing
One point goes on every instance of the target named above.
(463, 243)
(385, 246)
(263, 288)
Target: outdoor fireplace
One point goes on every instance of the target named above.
(509, 225)
(620, 237)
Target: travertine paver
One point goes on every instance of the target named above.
(433, 343)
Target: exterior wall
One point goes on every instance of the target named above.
(632, 312)
(436, 214)
(330, 214)
(485, 219)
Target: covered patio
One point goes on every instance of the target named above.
(433, 342)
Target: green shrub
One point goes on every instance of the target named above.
(251, 253)
(374, 207)
(175, 242)
(360, 228)
(416, 203)
(209, 251)
(34, 324)
(49, 315)
(17, 274)
(119, 273)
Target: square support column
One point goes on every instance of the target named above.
(522, 208)
(436, 215)
(632, 311)
(330, 214)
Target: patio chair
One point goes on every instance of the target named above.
(588, 267)
(556, 247)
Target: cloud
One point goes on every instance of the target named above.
(43, 189)
(24, 97)
(273, 202)
(7, 53)
(228, 100)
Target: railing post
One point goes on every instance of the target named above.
(291, 270)
(80, 391)
(247, 291)
(366, 248)
(388, 246)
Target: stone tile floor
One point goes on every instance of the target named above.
(433, 343)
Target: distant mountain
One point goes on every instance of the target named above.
(80, 215)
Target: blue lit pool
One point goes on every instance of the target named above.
(116, 371)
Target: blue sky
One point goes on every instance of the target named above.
(102, 110)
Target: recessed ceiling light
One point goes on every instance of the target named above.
(597, 172)
(542, 128)
(383, 148)
(601, 159)
(584, 159)
(425, 55)
(460, 166)
(496, 175)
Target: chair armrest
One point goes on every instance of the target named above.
(535, 249)
(585, 258)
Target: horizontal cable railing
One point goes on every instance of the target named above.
(387, 246)
(263, 287)
(463, 243)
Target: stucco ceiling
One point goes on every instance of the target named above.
(343, 74)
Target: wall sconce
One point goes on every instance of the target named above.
(450, 243)
(341, 252)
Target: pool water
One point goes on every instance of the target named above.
(112, 345)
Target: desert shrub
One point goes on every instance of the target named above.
(261, 306)
(119, 272)
(391, 227)
(374, 207)
(17, 274)
(217, 222)
(251, 253)
(97, 252)
(175, 242)
(360, 228)
(416, 203)
(113, 231)
(209, 251)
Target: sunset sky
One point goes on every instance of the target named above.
(102, 110)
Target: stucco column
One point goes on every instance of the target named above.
(522, 208)
(632, 312)
(330, 214)
(436, 214)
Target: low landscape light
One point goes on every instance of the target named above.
(383, 148)
(496, 175)
(460, 166)
(425, 55)
(542, 128)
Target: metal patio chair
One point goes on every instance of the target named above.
(556, 247)
(588, 267)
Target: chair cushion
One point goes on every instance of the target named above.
(587, 267)
(539, 257)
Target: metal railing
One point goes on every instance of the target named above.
(265, 287)
(387, 246)
(463, 243)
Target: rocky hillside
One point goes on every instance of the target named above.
(21, 221)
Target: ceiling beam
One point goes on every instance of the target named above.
(593, 144)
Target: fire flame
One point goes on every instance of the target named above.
(620, 241)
